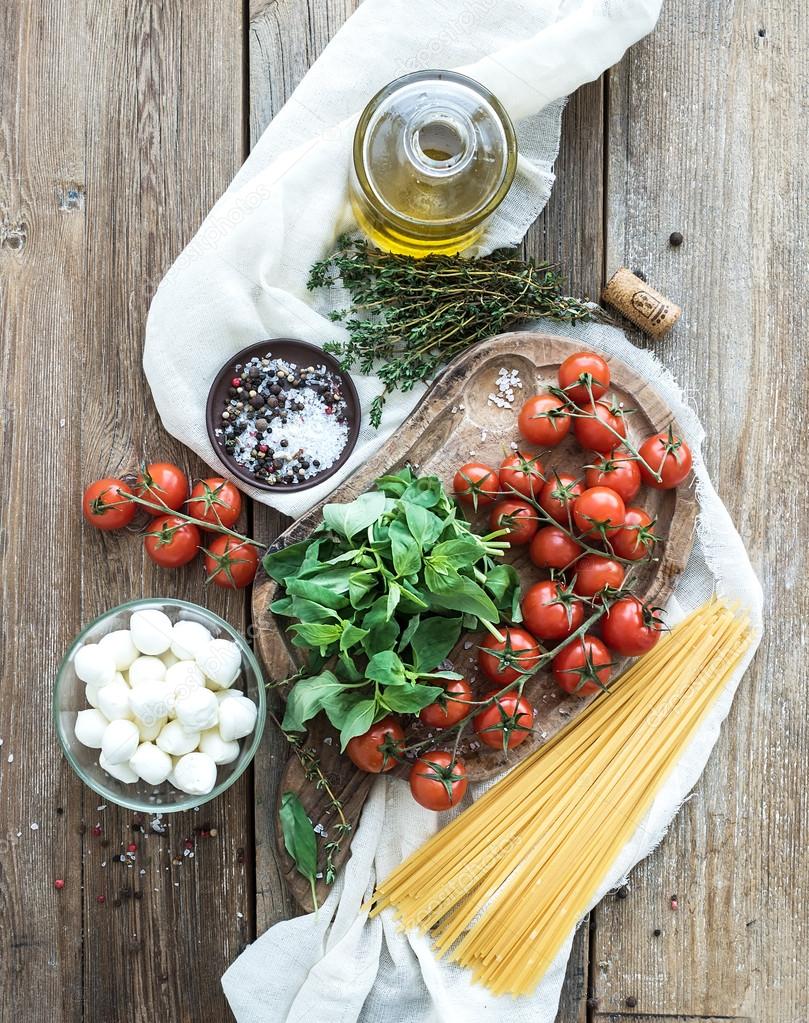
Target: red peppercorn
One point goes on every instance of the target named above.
(188, 843)
(329, 410)
(101, 899)
(97, 829)
(236, 382)
(58, 884)
(131, 847)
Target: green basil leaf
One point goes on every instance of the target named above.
(410, 628)
(460, 553)
(433, 640)
(280, 564)
(283, 606)
(313, 591)
(350, 519)
(424, 526)
(381, 637)
(425, 491)
(357, 720)
(499, 582)
(409, 699)
(311, 611)
(300, 840)
(405, 551)
(394, 484)
(315, 634)
(394, 596)
(361, 587)
(458, 593)
(306, 699)
(352, 635)
(386, 668)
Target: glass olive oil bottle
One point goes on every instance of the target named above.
(434, 155)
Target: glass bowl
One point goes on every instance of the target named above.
(69, 698)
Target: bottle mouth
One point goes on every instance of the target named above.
(440, 143)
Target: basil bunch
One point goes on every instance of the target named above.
(380, 594)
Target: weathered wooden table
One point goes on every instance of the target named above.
(120, 124)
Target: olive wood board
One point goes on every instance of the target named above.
(456, 423)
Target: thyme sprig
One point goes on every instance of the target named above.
(409, 317)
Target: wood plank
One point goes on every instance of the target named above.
(702, 140)
(106, 171)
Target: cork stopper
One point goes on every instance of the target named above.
(640, 303)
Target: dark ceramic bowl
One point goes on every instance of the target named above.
(303, 354)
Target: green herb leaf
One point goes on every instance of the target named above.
(279, 565)
(454, 591)
(386, 668)
(433, 640)
(425, 527)
(307, 698)
(350, 519)
(357, 721)
(316, 635)
(300, 840)
(405, 550)
(409, 699)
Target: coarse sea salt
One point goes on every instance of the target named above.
(507, 381)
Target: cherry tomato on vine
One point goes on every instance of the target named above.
(636, 538)
(579, 370)
(551, 612)
(594, 572)
(602, 428)
(477, 484)
(553, 548)
(558, 495)
(171, 541)
(105, 506)
(669, 456)
(522, 473)
(215, 502)
(503, 662)
(543, 421)
(163, 483)
(437, 781)
(518, 517)
(583, 667)
(375, 750)
(231, 563)
(506, 723)
(450, 708)
(617, 470)
(630, 627)
(599, 511)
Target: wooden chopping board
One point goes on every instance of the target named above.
(456, 423)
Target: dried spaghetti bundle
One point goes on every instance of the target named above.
(502, 885)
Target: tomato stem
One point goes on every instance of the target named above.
(208, 526)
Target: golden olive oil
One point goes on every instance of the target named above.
(434, 155)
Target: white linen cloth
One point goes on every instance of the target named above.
(339, 966)
(243, 276)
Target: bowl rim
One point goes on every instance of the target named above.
(191, 801)
(352, 400)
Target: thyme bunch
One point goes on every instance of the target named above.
(409, 316)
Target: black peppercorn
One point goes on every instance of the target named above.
(675, 239)
(258, 401)
(657, 932)
(622, 892)
(631, 1002)
(275, 389)
(284, 443)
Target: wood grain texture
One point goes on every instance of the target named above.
(703, 138)
(105, 172)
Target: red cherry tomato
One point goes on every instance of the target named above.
(636, 538)
(550, 612)
(522, 473)
(231, 563)
(594, 572)
(581, 369)
(553, 548)
(451, 708)
(104, 506)
(504, 662)
(518, 517)
(583, 667)
(558, 496)
(669, 456)
(163, 483)
(476, 484)
(599, 511)
(543, 421)
(215, 502)
(374, 750)
(437, 781)
(506, 723)
(603, 428)
(619, 471)
(171, 541)
(630, 627)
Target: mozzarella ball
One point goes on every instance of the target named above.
(151, 764)
(221, 662)
(237, 718)
(221, 752)
(183, 678)
(151, 630)
(120, 647)
(227, 694)
(195, 773)
(91, 695)
(187, 638)
(119, 742)
(174, 739)
(89, 728)
(94, 665)
(146, 669)
(113, 701)
(150, 702)
(123, 772)
(197, 710)
(148, 733)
